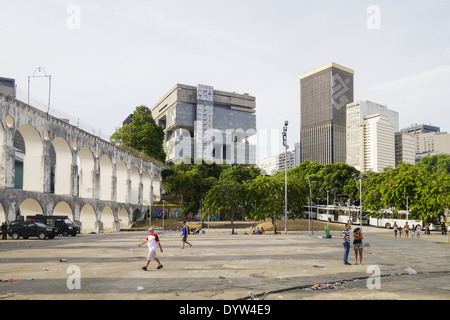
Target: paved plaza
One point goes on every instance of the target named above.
(226, 267)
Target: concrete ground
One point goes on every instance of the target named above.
(226, 267)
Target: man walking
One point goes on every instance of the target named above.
(185, 235)
(346, 242)
(153, 242)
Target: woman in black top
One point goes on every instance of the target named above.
(358, 245)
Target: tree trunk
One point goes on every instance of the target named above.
(427, 227)
(274, 225)
(232, 224)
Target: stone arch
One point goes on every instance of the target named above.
(88, 219)
(134, 185)
(3, 214)
(108, 220)
(62, 208)
(122, 182)
(106, 181)
(156, 186)
(136, 215)
(63, 166)
(29, 207)
(146, 188)
(32, 152)
(124, 220)
(2, 157)
(86, 173)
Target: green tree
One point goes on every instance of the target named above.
(224, 197)
(190, 183)
(428, 192)
(439, 163)
(143, 134)
(267, 193)
(432, 196)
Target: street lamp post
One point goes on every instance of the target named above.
(360, 196)
(164, 201)
(310, 205)
(286, 147)
(407, 208)
(328, 194)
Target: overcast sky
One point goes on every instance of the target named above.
(107, 57)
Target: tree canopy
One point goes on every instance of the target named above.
(142, 134)
(241, 191)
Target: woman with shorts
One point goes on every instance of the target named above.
(358, 245)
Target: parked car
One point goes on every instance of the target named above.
(26, 229)
(63, 224)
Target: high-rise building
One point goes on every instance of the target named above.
(324, 94)
(202, 123)
(370, 136)
(274, 164)
(404, 148)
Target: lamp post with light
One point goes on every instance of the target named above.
(286, 147)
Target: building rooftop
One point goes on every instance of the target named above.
(327, 66)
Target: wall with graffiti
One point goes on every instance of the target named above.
(170, 212)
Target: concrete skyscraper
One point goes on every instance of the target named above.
(371, 131)
(203, 123)
(324, 93)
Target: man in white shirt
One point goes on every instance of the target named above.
(153, 242)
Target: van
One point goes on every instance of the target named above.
(63, 224)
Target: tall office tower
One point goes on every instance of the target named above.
(324, 94)
(405, 148)
(370, 136)
(275, 164)
(203, 123)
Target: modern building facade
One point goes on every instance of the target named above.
(404, 148)
(370, 136)
(428, 140)
(203, 123)
(325, 92)
(275, 164)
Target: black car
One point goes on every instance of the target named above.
(26, 229)
(63, 224)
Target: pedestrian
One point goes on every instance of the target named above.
(4, 230)
(406, 227)
(153, 242)
(346, 242)
(184, 235)
(418, 229)
(358, 245)
(400, 232)
(395, 229)
(413, 231)
(444, 229)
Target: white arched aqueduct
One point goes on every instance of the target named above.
(50, 167)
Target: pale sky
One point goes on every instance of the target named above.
(107, 57)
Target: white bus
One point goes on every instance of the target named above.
(388, 218)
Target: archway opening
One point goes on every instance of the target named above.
(62, 166)
(106, 174)
(29, 159)
(29, 207)
(109, 224)
(124, 220)
(88, 219)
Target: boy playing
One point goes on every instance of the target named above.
(153, 242)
